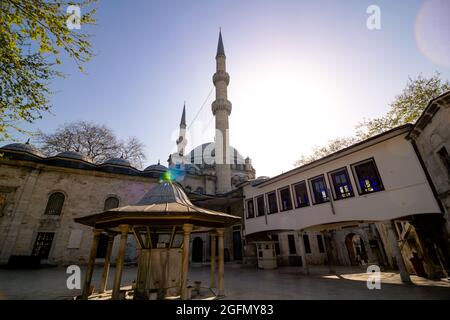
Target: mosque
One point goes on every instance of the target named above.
(40, 196)
(384, 200)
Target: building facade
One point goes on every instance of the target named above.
(40, 196)
(371, 203)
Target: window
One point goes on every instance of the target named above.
(367, 177)
(445, 158)
(320, 243)
(250, 209)
(261, 209)
(55, 204)
(285, 199)
(277, 244)
(342, 187)
(111, 203)
(43, 244)
(291, 242)
(301, 195)
(319, 189)
(272, 202)
(306, 242)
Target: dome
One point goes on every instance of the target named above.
(156, 167)
(24, 147)
(205, 154)
(73, 155)
(118, 162)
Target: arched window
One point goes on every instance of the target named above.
(111, 203)
(55, 204)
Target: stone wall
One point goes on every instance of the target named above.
(85, 193)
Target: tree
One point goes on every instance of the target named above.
(32, 34)
(332, 146)
(407, 106)
(98, 142)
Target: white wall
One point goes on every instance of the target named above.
(407, 191)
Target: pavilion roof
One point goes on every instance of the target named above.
(165, 204)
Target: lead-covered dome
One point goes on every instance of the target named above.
(73, 155)
(24, 147)
(156, 167)
(205, 154)
(118, 162)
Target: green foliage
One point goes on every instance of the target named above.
(32, 35)
(332, 146)
(407, 106)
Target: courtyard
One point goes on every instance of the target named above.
(241, 283)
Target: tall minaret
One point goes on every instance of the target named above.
(181, 141)
(221, 109)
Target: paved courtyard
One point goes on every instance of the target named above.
(241, 283)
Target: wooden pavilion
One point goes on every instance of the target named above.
(162, 223)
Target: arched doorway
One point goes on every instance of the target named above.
(197, 250)
(355, 248)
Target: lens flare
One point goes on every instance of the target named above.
(432, 31)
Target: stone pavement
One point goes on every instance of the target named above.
(241, 283)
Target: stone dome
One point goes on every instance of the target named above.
(205, 154)
(72, 155)
(118, 162)
(24, 147)
(156, 167)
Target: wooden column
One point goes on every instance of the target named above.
(105, 273)
(220, 233)
(303, 252)
(120, 260)
(91, 263)
(187, 228)
(212, 283)
(393, 241)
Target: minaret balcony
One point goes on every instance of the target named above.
(221, 104)
(221, 76)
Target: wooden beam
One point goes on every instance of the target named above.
(138, 237)
(172, 236)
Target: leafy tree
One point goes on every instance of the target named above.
(407, 106)
(332, 146)
(98, 142)
(32, 35)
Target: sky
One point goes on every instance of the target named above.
(302, 72)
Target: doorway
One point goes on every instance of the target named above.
(355, 248)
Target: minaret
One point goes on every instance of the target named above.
(221, 109)
(181, 141)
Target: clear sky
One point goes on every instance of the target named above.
(302, 72)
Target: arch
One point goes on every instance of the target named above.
(355, 248)
(197, 250)
(110, 203)
(55, 204)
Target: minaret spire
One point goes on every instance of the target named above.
(220, 48)
(181, 141)
(183, 116)
(221, 109)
